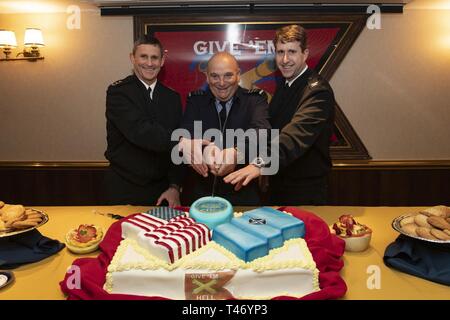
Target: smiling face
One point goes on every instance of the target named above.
(223, 76)
(147, 61)
(290, 58)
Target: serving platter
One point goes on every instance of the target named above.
(12, 232)
(396, 225)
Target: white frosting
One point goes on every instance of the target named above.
(288, 271)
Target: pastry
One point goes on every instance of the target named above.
(407, 220)
(11, 213)
(441, 235)
(410, 229)
(356, 236)
(438, 211)
(425, 233)
(24, 224)
(439, 222)
(84, 239)
(421, 221)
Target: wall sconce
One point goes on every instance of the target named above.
(32, 41)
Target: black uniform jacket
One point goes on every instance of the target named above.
(139, 131)
(305, 115)
(249, 110)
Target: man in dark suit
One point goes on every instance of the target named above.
(303, 109)
(141, 114)
(225, 105)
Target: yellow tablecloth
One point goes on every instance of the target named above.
(364, 273)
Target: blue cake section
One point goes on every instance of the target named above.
(244, 245)
(211, 211)
(290, 227)
(260, 229)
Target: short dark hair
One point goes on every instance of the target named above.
(147, 39)
(291, 33)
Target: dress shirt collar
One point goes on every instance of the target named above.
(228, 105)
(289, 83)
(153, 85)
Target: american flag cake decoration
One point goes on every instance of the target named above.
(166, 213)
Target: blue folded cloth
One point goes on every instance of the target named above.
(26, 248)
(423, 259)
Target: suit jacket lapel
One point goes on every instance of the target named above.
(156, 94)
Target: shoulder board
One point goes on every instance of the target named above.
(121, 82)
(170, 88)
(197, 93)
(260, 92)
(314, 83)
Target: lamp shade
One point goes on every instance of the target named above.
(7, 39)
(33, 38)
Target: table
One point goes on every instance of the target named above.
(41, 280)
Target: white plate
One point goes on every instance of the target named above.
(6, 277)
(397, 227)
(12, 232)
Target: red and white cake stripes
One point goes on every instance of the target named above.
(168, 240)
(141, 222)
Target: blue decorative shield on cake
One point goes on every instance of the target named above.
(211, 211)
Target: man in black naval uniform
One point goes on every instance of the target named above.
(225, 105)
(303, 109)
(141, 114)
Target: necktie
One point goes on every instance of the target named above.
(149, 92)
(223, 113)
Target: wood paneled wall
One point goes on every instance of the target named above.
(372, 183)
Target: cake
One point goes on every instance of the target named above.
(199, 262)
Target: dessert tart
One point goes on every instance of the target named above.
(84, 239)
(356, 236)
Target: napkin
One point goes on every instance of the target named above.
(26, 248)
(422, 259)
